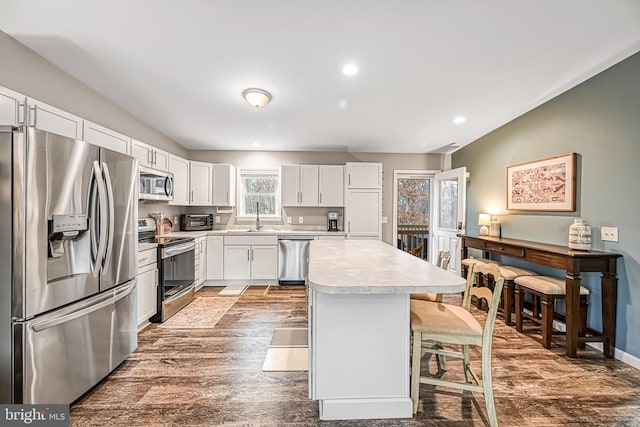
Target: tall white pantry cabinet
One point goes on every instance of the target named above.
(363, 200)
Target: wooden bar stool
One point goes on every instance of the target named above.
(468, 262)
(546, 290)
(510, 273)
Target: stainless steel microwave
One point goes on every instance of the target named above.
(155, 185)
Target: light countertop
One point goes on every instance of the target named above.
(374, 267)
(244, 232)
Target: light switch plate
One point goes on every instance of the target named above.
(217, 219)
(300, 220)
(288, 220)
(609, 234)
(384, 220)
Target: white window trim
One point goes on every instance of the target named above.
(240, 193)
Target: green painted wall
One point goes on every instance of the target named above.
(600, 121)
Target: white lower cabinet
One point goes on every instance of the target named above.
(249, 257)
(147, 286)
(200, 262)
(215, 257)
(237, 262)
(264, 262)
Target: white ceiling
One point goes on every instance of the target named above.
(181, 66)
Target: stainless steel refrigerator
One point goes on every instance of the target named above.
(68, 249)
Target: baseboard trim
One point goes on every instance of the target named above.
(360, 409)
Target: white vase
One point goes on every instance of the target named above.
(580, 235)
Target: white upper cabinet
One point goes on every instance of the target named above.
(11, 107)
(331, 185)
(200, 181)
(51, 119)
(149, 156)
(300, 185)
(179, 167)
(105, 137)
(224, 185)
(363, 175)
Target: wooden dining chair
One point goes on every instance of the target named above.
(443, 262)
(417, 251)
(450, 324)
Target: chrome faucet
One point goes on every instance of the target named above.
(258, 226)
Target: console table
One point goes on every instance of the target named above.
(573, 262)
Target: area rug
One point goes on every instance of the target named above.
(256, 290)
(289, 337)
(233, 290)
(202, 313)
(288, 351)
(286, 360)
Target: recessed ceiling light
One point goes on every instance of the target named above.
(256, 145)
(343, 104)
(459, 120)
(350, 70)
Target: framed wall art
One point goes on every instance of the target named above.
(543, 185)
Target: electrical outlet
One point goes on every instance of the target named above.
(217, 219)
(176, 220)
(288, 220)
(609, 234)
(300, 220)
(384, 220)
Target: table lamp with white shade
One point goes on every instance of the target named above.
(484, 220)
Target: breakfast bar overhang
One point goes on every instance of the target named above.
(359, 338)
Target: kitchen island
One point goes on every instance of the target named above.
(359, 326)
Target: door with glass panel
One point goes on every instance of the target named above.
(449, 213)
(412, 195)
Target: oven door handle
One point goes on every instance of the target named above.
(178, 249)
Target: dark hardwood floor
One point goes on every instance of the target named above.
(203, 376)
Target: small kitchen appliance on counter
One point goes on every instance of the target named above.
(332, 218)
(176, 264)
(196, 222)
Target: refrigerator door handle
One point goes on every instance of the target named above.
(110, 207)
(103, 218)
(111, 299)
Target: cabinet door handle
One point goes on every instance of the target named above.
(251, 254)
(33, 116)
(155, 157)
(248, 256)
(156, 277)
(228, 197)
(349, 228)
(20, 112)
(349, 179)
(320, 198)
(191, 196)
(150, 157)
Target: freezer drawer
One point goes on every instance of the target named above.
(62, 354)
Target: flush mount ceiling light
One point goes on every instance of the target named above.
(350, 70)
(256, 97)
(256, 144)
(459, 120)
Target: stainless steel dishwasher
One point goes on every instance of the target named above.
(293, 259)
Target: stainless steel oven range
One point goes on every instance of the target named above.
(176, 256)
